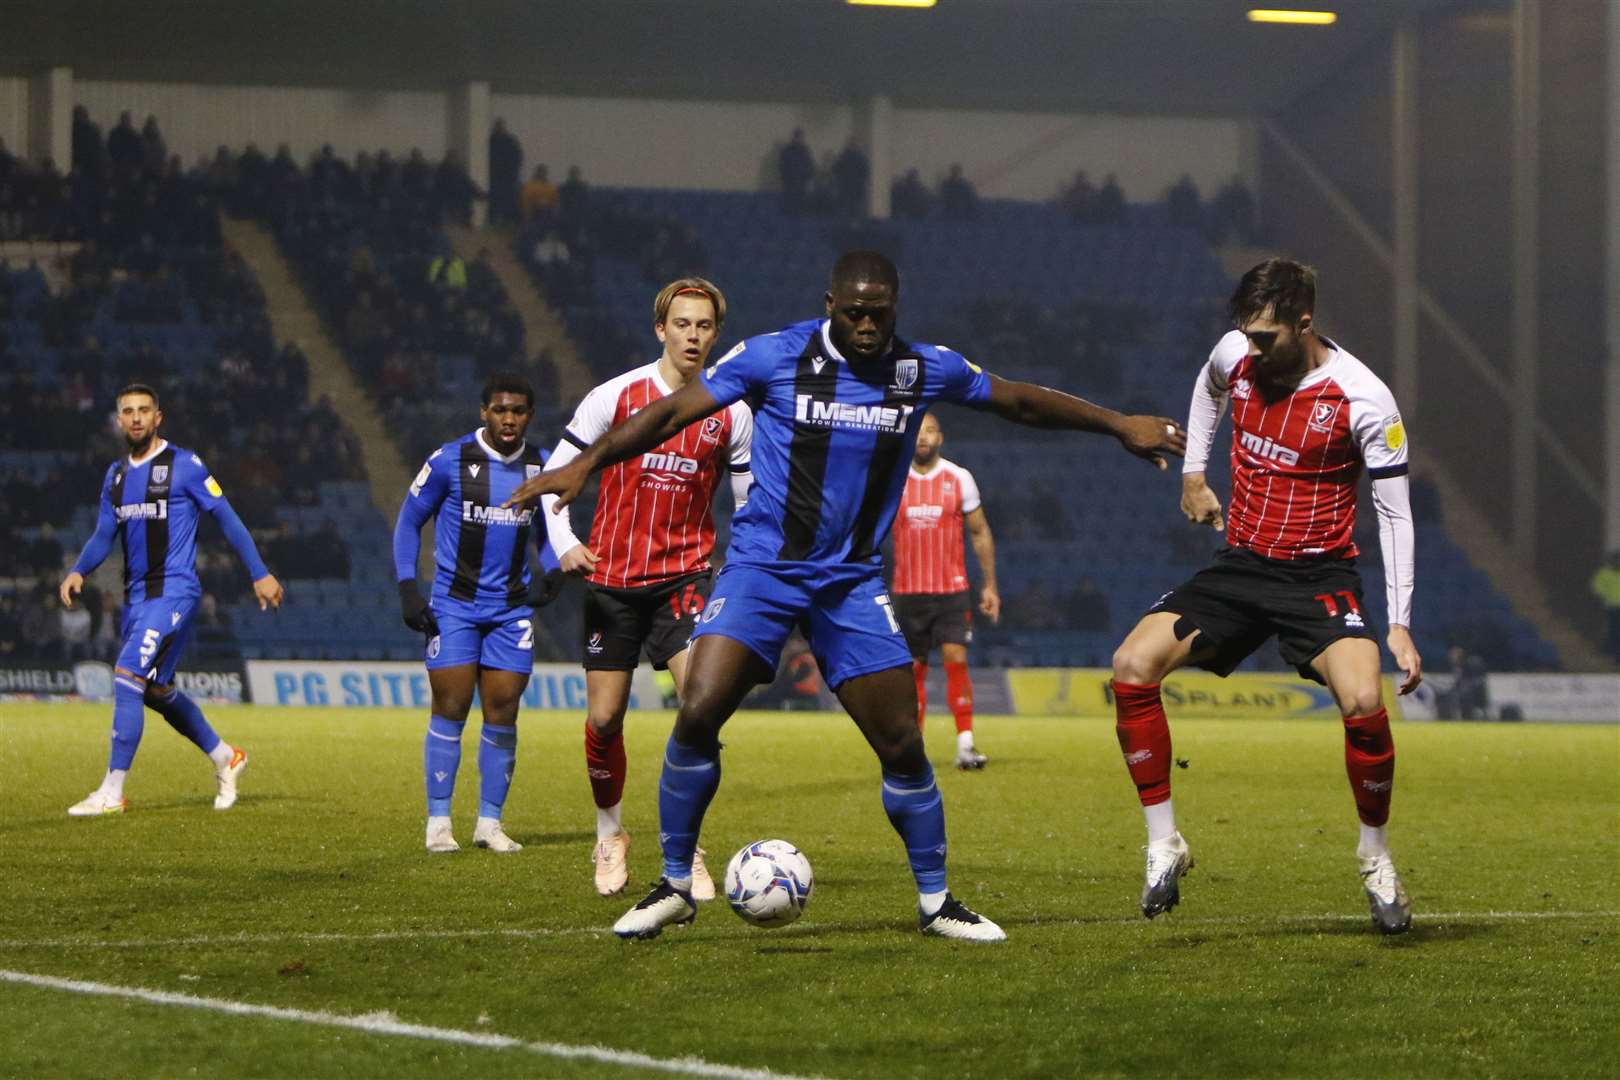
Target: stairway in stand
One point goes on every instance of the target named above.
(293, 318)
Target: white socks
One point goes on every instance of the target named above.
(964, 741)
(930, 902)
(607, 821)
(112, 785)
(1374, 841)
(1161, 821)
(221, 754)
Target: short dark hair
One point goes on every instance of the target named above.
(139, 388)
(506, 382)
(857, 266)
(1286, 286)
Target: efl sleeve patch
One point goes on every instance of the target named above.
(1394, 432)
(213, 488)
(422, 477)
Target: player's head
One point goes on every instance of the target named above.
(687, 316)
(506, 407)
(138, 416)
(1275, 306)
(929, 439)
(861, 299)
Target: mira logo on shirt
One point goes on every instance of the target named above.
(495, 515)
(841, 414)
(1268, 449)
(669, 463)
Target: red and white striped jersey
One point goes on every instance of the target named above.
(928, 530)
(1296, 459)
(655, 512)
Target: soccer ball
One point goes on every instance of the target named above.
(768, 883)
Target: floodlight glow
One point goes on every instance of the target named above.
(1294, 18)
(892, 3)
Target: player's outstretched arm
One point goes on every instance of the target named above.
(1148, 437)
(661, 420)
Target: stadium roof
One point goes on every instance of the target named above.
(1181, 57)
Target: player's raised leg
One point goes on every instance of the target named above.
(702, 881)
(883, 707)
(720, 672)
(1159, 644)
(1350, 667)
(500, 692)
(607, 695)
(441, 747)
(183, 714)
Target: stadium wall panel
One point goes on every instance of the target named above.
(665, 143)
(1088, 692)
(196, 119)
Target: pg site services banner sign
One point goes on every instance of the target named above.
(372, 684)
(1088, 692)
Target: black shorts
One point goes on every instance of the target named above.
(930, 620)
(620, 623)
(1242, 598)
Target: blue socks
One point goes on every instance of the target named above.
(129, 721)
(497, 754)
(917, 813)
(184, 716)
(441, 756)
(690, 779)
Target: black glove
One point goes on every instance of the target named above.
(544, 588)
(414, 610)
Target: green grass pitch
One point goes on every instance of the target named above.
(315, 894)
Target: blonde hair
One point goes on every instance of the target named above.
(681, 286)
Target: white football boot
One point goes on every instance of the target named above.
(440, 840)
(1386, 896)
(702, 883)
(98, 803)
(664, 906)
(226, 774)
(1168, 861)
(970, 760)
(488, 834)
(955, 920)
(612, 859)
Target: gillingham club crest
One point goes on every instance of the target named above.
(905, 373)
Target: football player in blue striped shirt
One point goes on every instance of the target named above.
(150, 499)
(480, 621)
(837, 403)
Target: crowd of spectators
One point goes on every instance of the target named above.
(143, 256)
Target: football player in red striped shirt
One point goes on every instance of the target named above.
(930, 588)
(646, 567)
(1307, 419)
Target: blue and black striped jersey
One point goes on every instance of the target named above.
(479, 546)
(833, 438)
(153, 508)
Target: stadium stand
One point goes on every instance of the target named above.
(144, 291)
(1123, 312)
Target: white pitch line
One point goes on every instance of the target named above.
(382, 1023)
(318, 936)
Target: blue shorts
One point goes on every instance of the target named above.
(156, 632)
(844, 611)
(502, 640)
